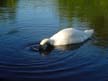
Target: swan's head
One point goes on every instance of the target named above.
(44, 44)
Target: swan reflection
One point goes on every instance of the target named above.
(50, 48)
(61, 48)
(68, 47)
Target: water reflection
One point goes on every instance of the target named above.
(50, 48)
(8, 9)
(36, 19)
(101, 28)
(69, 47)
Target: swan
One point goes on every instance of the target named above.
(67, 36)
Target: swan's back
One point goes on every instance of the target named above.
(70, 36)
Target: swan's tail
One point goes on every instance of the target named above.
(89, 32)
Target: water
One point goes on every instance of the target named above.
(23, 23)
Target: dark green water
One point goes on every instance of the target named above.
(24, 23)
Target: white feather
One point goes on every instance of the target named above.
(69, 36)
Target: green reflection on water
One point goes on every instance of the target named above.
(8, 9)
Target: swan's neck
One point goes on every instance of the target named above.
(51, 41)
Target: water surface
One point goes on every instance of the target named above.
(24, 23)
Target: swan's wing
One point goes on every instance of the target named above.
(68, 36)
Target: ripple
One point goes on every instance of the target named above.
(59, 63)
(63, 63)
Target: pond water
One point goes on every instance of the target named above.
(23, 23)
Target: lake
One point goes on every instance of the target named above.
(24, 23)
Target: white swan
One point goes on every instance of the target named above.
(67, 36)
